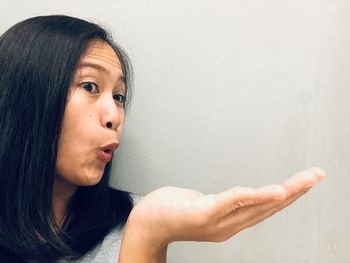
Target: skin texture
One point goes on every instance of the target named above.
(95, 99)
(168, 214)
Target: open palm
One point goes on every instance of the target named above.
(171, 214)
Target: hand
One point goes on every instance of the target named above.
(173, 214)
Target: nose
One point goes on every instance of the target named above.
(112, 115)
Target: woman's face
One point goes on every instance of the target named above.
(93, 117)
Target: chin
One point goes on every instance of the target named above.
(90, 177)
(91, 180)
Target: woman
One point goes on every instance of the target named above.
(64, 89)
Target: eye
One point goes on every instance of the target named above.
(119, 98)
(89, 86)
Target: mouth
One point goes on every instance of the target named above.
(106, 155)
(106, 152)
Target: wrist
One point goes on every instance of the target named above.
(141, 244)
(150, 227)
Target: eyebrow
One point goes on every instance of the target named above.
(101, 68)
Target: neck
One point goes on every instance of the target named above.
(62, 192)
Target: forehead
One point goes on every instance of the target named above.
(102, 55)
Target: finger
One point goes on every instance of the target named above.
(269, 212)
(294, 188)
(319, 173)
(238, 197)
(249, 216)
(303, 180)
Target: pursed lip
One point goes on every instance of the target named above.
(106, 152)
(112, 146)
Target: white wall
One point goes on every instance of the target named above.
(235, 93)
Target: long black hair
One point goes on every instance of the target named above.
(38, 59)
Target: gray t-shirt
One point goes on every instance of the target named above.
(106, 251)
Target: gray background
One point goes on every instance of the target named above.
(234, 93)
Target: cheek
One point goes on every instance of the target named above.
(79, 121)
(79, 127)
(77, 160)
(77, 139)
(78, 165)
